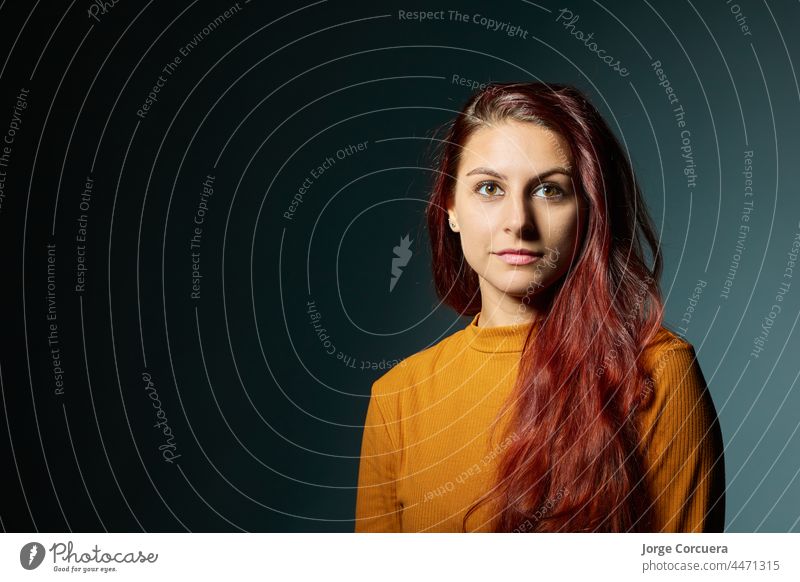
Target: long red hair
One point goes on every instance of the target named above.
(575, 465)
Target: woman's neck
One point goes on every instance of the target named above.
(490, 317)
(500, 309)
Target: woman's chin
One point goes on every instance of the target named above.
(517, 284)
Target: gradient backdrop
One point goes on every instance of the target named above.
(197, 253)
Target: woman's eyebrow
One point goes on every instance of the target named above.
(490, 172)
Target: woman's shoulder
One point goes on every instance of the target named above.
(677, 380)
(664, 348)
(417, 365)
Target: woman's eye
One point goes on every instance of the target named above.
(549, 191)
(488, 189)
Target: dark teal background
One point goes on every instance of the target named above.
(267, 423)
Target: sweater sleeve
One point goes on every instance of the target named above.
(377, 507)
(683, 457)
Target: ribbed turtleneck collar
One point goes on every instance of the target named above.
(498, 339)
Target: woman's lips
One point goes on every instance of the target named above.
(518, 258)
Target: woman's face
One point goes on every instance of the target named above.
(514, 190)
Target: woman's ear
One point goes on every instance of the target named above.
(452, 220)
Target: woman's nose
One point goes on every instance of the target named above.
(517, 213)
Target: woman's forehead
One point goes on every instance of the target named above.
(515, 146)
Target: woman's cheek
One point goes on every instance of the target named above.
(472, 246)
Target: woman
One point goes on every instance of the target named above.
(564, 405)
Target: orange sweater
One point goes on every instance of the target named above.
(426, 456)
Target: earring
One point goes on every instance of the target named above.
(452, 224)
